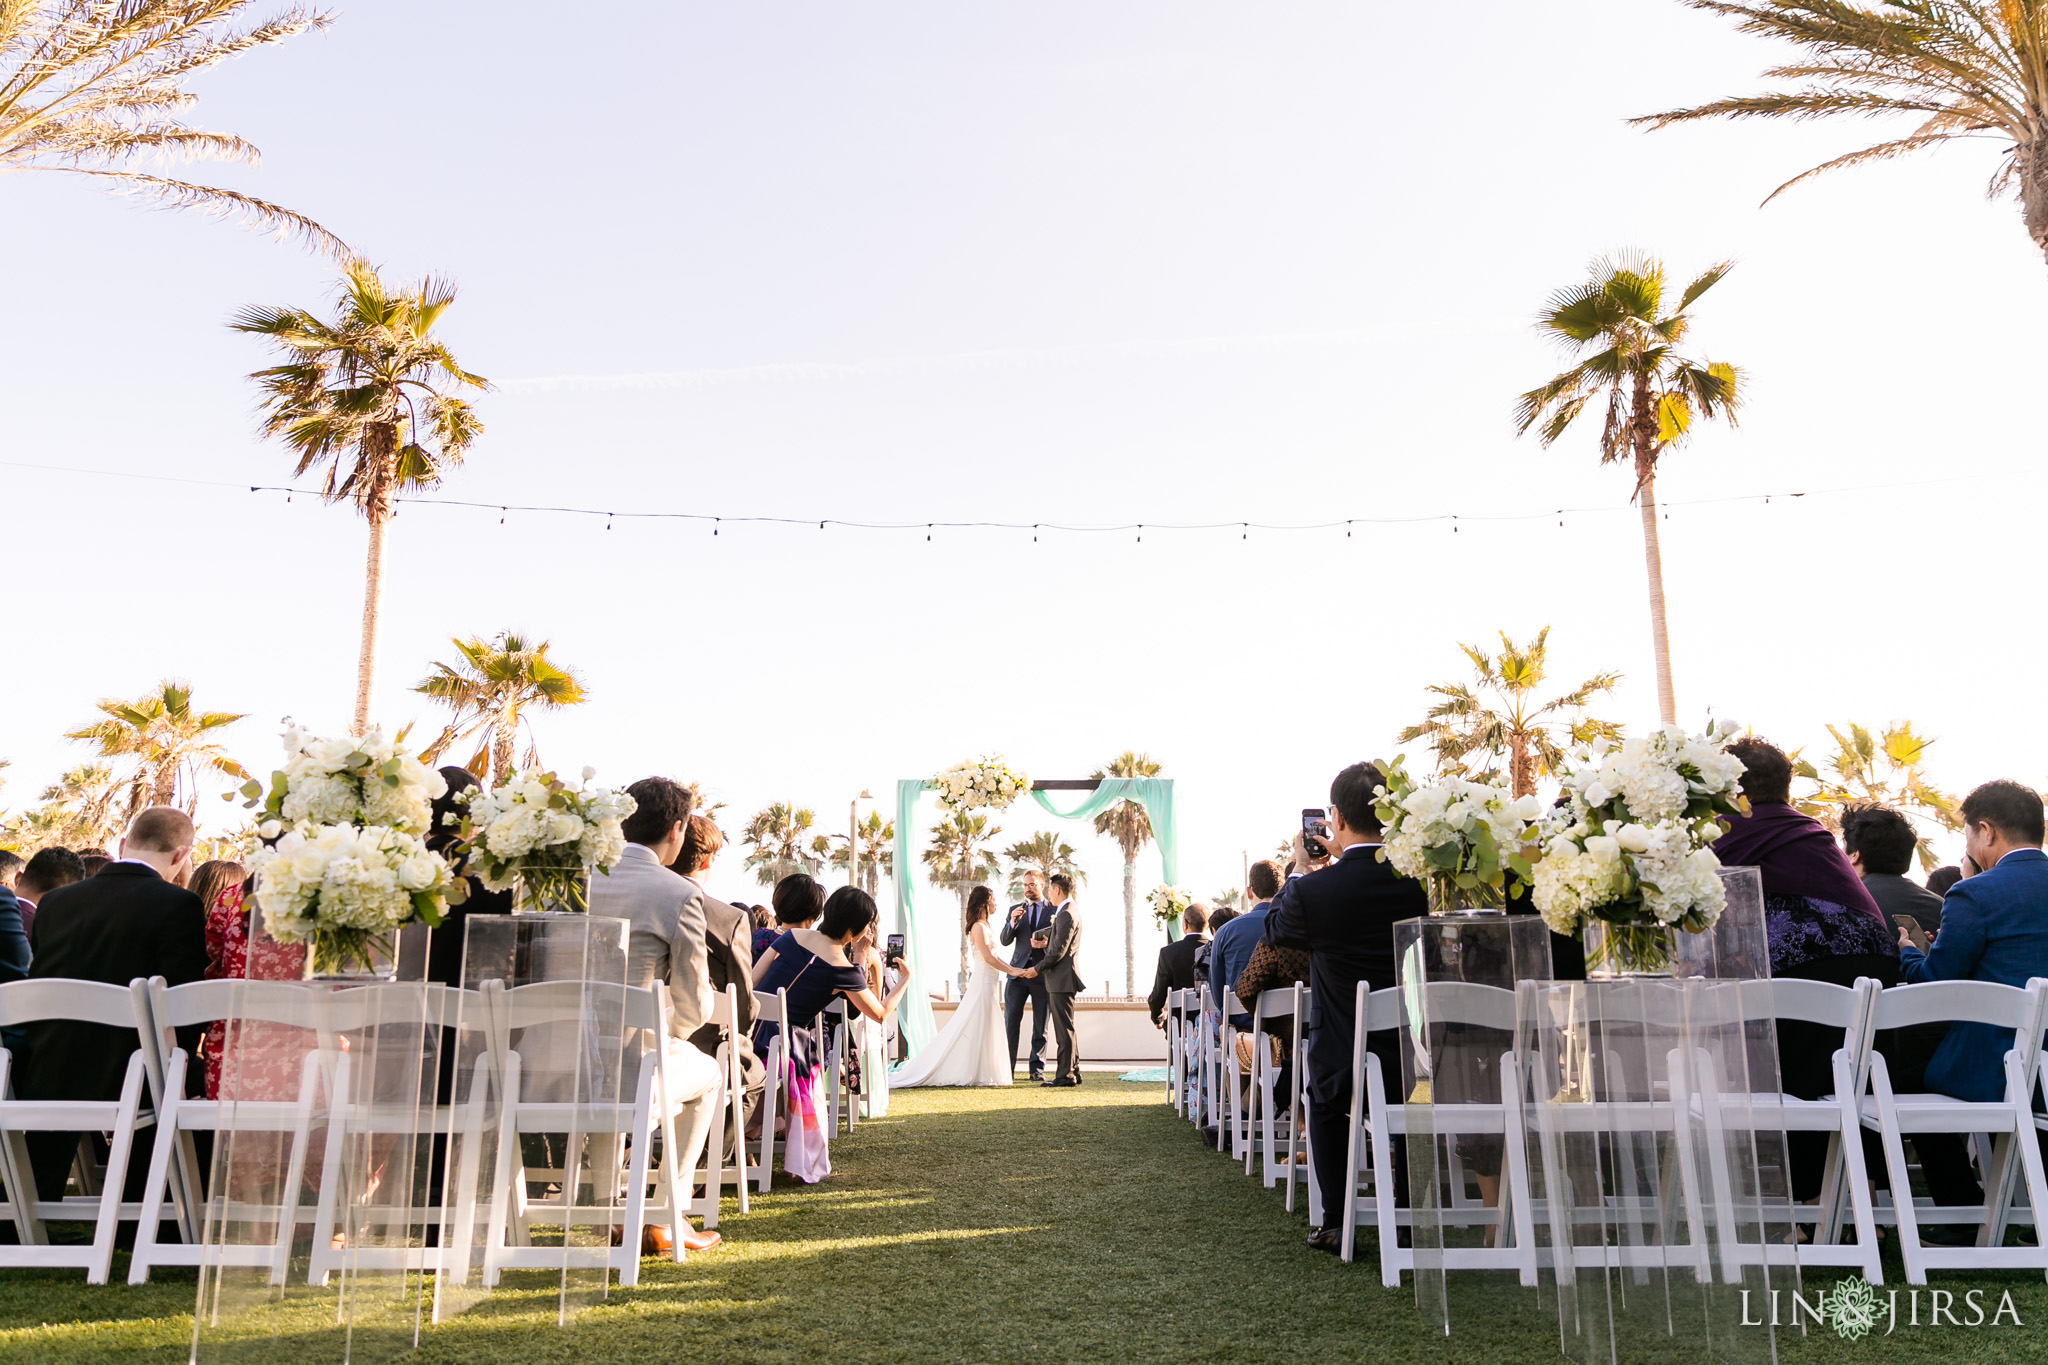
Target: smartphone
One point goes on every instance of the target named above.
(1914, 932)
(894, 948)
(1315, 828)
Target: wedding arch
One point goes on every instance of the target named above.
(914, 1013)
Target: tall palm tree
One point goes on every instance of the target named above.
(1879, 770)
(89, 88)
(365, 396)
(960, 856)
(1962, 68)
(490, 691)
(172, 745)
(1128, 824)
(877, 850)
(1653, 393)
(1499, 717)
(82, 809)
(1045, 853)
(777, 835)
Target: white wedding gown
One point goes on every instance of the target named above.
(970, 1048)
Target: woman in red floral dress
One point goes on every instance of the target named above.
(266, 1058)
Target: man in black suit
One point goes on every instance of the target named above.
(1176, 971)
(133, 919)
(1344, 915)
(1032, 917)
(1059, 968)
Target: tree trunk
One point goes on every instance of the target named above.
(504, 739)
(1130, 926)
(1643, 424)
(2033, 167)
(373, 601)
(1521, 766)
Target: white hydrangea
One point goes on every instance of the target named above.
(534, 820)
(1448, 812)
(366, 780)
(348, 877)
(979, 783)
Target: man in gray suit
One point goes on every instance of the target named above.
(1062, 942)
(667, 943)
(728, 935)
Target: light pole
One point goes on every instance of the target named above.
(853, 837)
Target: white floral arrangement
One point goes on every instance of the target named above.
(1634, 845)
(346, 888)
(354, 780)
(1460, 838)
(978, 783)
(1169, 903)
(536, 828)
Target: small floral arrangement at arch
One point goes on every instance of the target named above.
(347, 888)
(1633, 846)
(355, 780)
(978, 783)
(1169, 903)
(535, 829)
(1461, 839)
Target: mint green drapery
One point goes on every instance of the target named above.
(1155, 794)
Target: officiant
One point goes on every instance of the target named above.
(1032, 916)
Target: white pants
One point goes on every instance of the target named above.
(693, 1080)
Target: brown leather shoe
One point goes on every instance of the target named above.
(656, 1241)
(699, 1241)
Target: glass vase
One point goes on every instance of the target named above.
(1446, 897)
(1616, 950)
(552, 891)
(350, 955)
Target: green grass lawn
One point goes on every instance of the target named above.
(1084, 1225)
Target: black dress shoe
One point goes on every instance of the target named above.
(1326, 1239)
(1037, 1075)
(1061, 1083)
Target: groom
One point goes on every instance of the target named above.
(1027, 921)
(1060, 971)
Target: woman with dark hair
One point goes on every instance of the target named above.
(444, 948)
(798, 900)
(1821, 923)
(973, 1048)
(810, 966)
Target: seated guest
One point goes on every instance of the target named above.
(1234, 943)
(11, 864)
(13, 937)
(1176, 970)
(1880, 844)
(259, 1061)
(798, 901)
(49, 869)
(728, 938)
(667, 943)
(91, 860)
(1943, 879)
(445, 945)
(1820, 921)
(131, 920)
(811, 966)
(1344, 914)
(1205, 956)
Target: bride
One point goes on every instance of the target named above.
(971, 1049)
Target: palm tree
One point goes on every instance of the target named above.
(88, 88)
(1501, 718)
(1128, 824)
(172, 745)
(776, 836)
(489, 692)
(359, 396)
(1653, 393)
(1962, 68)
(959, 857)
(1044, 852)
(877, 850)
(1879, 770)
(80, 810)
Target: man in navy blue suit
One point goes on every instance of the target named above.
(1994, 927)
(1344, 915)
(1033, 916)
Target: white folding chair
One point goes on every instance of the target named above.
(712, 1173)
(2005, 1127)
(772, 1009)
(1234, 1133)
(84, 1002)
(836, 1032)
(173, 1164)
(1283, 1140)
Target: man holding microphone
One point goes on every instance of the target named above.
(1033, 916)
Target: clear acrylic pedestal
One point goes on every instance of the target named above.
(535, 1132)
(1461, 1039)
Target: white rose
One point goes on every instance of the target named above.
(1603, 847)
(1634, 838)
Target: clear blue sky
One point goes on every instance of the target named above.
(1050, 262)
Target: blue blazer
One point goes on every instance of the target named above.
(1994, 927)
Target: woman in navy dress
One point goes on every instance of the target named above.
(811, 966)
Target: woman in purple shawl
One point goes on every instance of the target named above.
(1821, 922)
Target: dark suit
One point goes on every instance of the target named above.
(1345, 916)
(1017, 990)
(1176, 972)
(124, 923)
(1994, 928)
(728, 939)
(1062, 979)
(1897, 896)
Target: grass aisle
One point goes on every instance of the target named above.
(1079, 1225)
